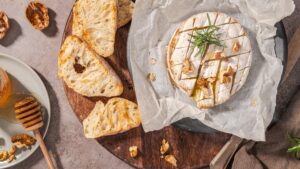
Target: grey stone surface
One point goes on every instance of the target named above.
(65, 139)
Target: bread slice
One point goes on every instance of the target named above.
(98, 21)
(117, 116)
(86, 73)
(125, 10)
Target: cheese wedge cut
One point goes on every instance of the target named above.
(117, 116)
(213, 76)
(85, 72)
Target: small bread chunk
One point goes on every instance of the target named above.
(125, 10)
(164, 147)
(86, 73)
(117, 116)
(97, 20)
(171, 160)
(133, 151)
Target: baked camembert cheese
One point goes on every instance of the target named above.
(209, 57)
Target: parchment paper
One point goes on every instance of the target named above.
(247, 113)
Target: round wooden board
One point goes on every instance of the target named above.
(192, 150)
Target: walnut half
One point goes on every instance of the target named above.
(4, 24)
(37, 14)
(22, 140)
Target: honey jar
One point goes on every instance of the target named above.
(5, 88)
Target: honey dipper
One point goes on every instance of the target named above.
(28, 112)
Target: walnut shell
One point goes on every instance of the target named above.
(37, 14)
(4, 24)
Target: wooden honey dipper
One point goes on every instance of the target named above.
(28, 112)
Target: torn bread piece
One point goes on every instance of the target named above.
(85, 72)
(97, 20)
(117, 116)
(125, 11)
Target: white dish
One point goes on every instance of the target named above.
(20, 73)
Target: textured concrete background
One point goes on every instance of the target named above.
(39, 50)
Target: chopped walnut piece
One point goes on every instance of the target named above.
(171, 159)
(4, 24)
(37, 14)
(133, 151)
(205, 93)
(202, 82)
(230, 71)
(151, 76)
(236, 46)
(22, 140)
(218, 55)
(226, 77)
(11, 157)
(187, 66)
(3, 155)
(13, 150)
(164, 147)
(211, 79)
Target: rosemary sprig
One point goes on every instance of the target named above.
(203, 38)
(296, 148)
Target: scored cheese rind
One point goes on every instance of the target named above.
(235, 55)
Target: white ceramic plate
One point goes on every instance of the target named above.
(25, 80)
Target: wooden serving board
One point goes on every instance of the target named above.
(192, 150)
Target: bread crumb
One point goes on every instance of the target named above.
(171, 159)
(133, 151)
(151, 76)
(153, 61)
(164, 147)
(253, 103)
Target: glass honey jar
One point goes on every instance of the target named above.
(5, 88)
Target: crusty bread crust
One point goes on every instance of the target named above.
(96, 23)
(117, 116)
(125, 11)
(97, 77)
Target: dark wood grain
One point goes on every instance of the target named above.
(192, 150)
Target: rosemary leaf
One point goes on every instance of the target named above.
(205, 37)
